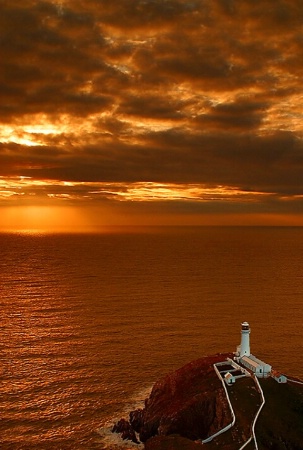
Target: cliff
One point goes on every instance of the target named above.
(190, 404)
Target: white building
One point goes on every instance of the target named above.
(244, 357)
(244, 347)
(258, 367)
(279, 377)
(229, 378)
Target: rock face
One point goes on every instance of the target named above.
(190, 402)
(124, 428)
(172, 442)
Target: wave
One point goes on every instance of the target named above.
(113, 441)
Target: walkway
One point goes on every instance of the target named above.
(253, 435)
(210, 438)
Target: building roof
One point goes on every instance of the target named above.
(250, 361)
(253, 361)
(259, 361)
(277, 374)
(228, 376)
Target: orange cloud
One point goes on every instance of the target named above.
(137, 94)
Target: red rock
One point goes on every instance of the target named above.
(190, 402)
(171, 443)
(136, 419)
(124, 428)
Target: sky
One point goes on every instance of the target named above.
(150, 112)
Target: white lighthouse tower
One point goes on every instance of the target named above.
(244, 349)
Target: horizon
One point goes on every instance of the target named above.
(137, 229)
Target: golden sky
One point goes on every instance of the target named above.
(150, 112)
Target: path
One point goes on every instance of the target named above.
(253, 435)
(210, 438)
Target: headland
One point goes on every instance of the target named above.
(229, 401)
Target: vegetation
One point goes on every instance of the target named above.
(280, 425)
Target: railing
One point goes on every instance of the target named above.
(210, 438)
(294, 381)
(253, 436)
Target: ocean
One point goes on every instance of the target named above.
(90, 321)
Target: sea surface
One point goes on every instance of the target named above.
(90, 321)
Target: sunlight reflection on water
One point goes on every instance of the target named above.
(87, 321)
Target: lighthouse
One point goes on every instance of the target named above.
(244, 346)
(246, 359)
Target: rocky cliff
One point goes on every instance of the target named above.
(190, 404)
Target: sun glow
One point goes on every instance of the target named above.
(22, 136)
(36, 130)
(43, 219)
(41, 129)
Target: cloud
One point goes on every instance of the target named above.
(203, 92)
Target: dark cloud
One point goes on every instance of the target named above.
(239, 115)
(46, 60)
(134, 15)
(170, 91)
(151, 107)
(248, 163)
